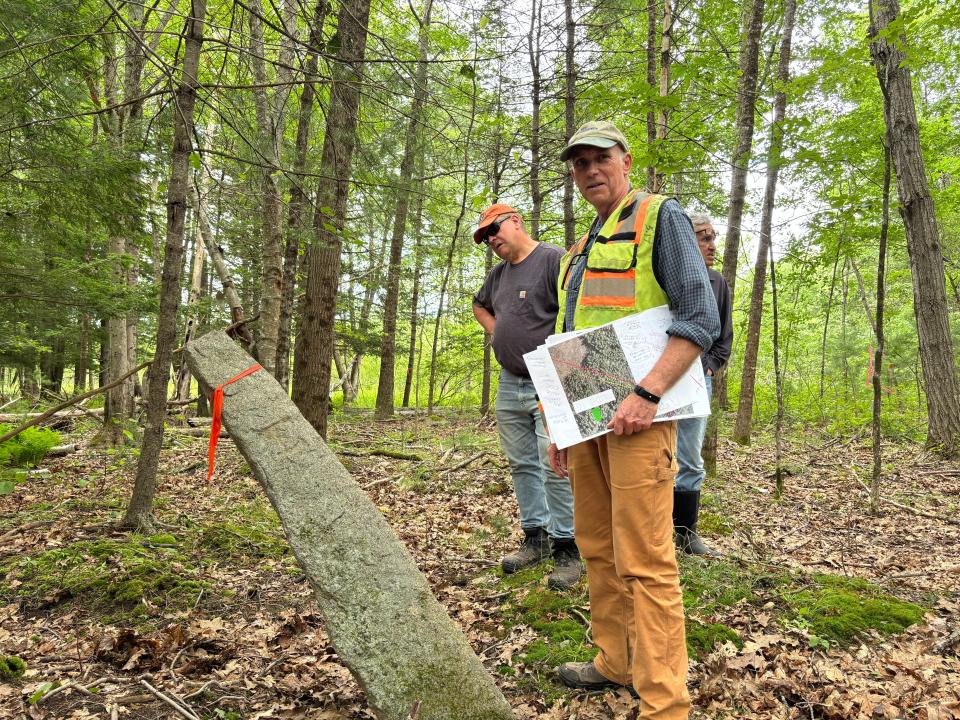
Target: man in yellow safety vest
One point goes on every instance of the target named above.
(640, 253)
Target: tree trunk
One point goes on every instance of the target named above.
(454, 239)
(569, 118)
(140, 511)
(665, 43)
(383, 620)
(778, 379)
(826, 322)
(923, 242)
(270, 115)
(744, 422)
(299, 202)
(411, 151)
(533, 55)
(82, 366)
(878, 353)
(651, 82)
(414, 296)
(747, 93)
(746, 109)
(314, 348)
(197, 262)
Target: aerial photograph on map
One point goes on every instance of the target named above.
(595, 376)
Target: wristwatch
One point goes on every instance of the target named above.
(646, 394)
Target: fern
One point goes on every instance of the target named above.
(28, 448)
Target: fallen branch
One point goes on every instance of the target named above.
(23, 528)
(69, 685)
(73, 401)
(463, 464)
(381, 481)
(60, 450)
(948, 642)
(71, 415)
(915, 511)
(184, 711)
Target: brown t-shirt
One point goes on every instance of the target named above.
(523, 299)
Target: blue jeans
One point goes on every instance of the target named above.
(544, 499)
(690, 434)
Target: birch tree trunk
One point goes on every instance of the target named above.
(313, 352)
(411, 151)
(923, 242)
(744, 423)
(139, 513)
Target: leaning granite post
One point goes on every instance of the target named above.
(381, 616)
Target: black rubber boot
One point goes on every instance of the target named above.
(535, 549)
(686, 509)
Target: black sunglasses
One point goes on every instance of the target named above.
(493, 228)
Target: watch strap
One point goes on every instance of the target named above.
(646, 394)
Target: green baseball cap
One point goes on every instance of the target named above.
(600, 133)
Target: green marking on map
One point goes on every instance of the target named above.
(597, 415)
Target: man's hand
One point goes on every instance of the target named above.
(633, 415)
(558, 460)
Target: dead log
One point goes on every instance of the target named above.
(382, 619)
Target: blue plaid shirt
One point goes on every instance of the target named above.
(679, 269)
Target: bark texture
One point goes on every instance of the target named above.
(746, 109)
(313, 352)
(139, 512)
(382, 618)
(744, 423)
(411, 151)
(923, 242)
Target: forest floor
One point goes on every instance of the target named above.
(804, 617)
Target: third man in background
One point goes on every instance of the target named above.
(690, 432)
(517, 305)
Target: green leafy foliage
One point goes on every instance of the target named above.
(28, 448)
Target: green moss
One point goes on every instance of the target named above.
(838, 609)
(709, 586)
(239, 542)
(111, 576)
(701, 638)
(557, 620)
(713, 524)
(11, 667)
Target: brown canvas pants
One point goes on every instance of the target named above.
(623, 499)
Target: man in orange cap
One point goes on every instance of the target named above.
(517, 306)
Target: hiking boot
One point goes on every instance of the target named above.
(535, 549)
(585, 676)
(686, 511)
(569, 567)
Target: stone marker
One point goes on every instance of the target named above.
(381, 616)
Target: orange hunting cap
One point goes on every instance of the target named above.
(488, 216)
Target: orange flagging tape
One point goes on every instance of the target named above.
(217, 407)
